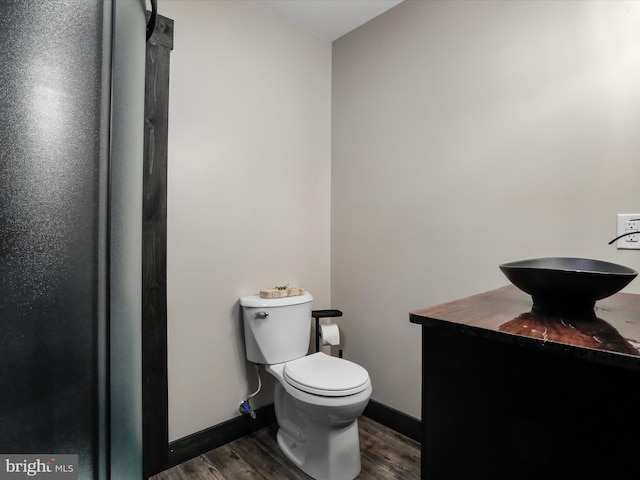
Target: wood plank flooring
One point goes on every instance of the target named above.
(386, 455)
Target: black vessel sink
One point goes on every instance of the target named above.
(567, 286)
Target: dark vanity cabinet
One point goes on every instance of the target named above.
(511, 393)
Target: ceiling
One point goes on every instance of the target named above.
(330, 19)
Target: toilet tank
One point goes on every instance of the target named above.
(276, 330)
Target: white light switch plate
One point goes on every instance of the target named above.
(628, 222)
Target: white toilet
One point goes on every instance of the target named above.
(318, 398)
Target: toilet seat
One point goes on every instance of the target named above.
(321, 374)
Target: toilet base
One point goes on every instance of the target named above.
(332, 453)
(319, 434)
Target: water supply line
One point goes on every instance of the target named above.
(245, 407)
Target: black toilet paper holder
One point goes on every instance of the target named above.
(317, 315)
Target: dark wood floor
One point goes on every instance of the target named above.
(386, 455)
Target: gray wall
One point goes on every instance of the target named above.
(248, 191)
(467, 134)
(462, 135)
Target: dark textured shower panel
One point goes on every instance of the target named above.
(55, 114)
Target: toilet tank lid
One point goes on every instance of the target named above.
(256, 301)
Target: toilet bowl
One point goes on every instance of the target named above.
(318, 398)
(317, 408)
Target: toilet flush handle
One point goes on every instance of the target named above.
(262, 314)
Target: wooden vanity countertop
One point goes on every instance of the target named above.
(612, 336)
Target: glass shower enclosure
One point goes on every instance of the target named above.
(71, 130)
